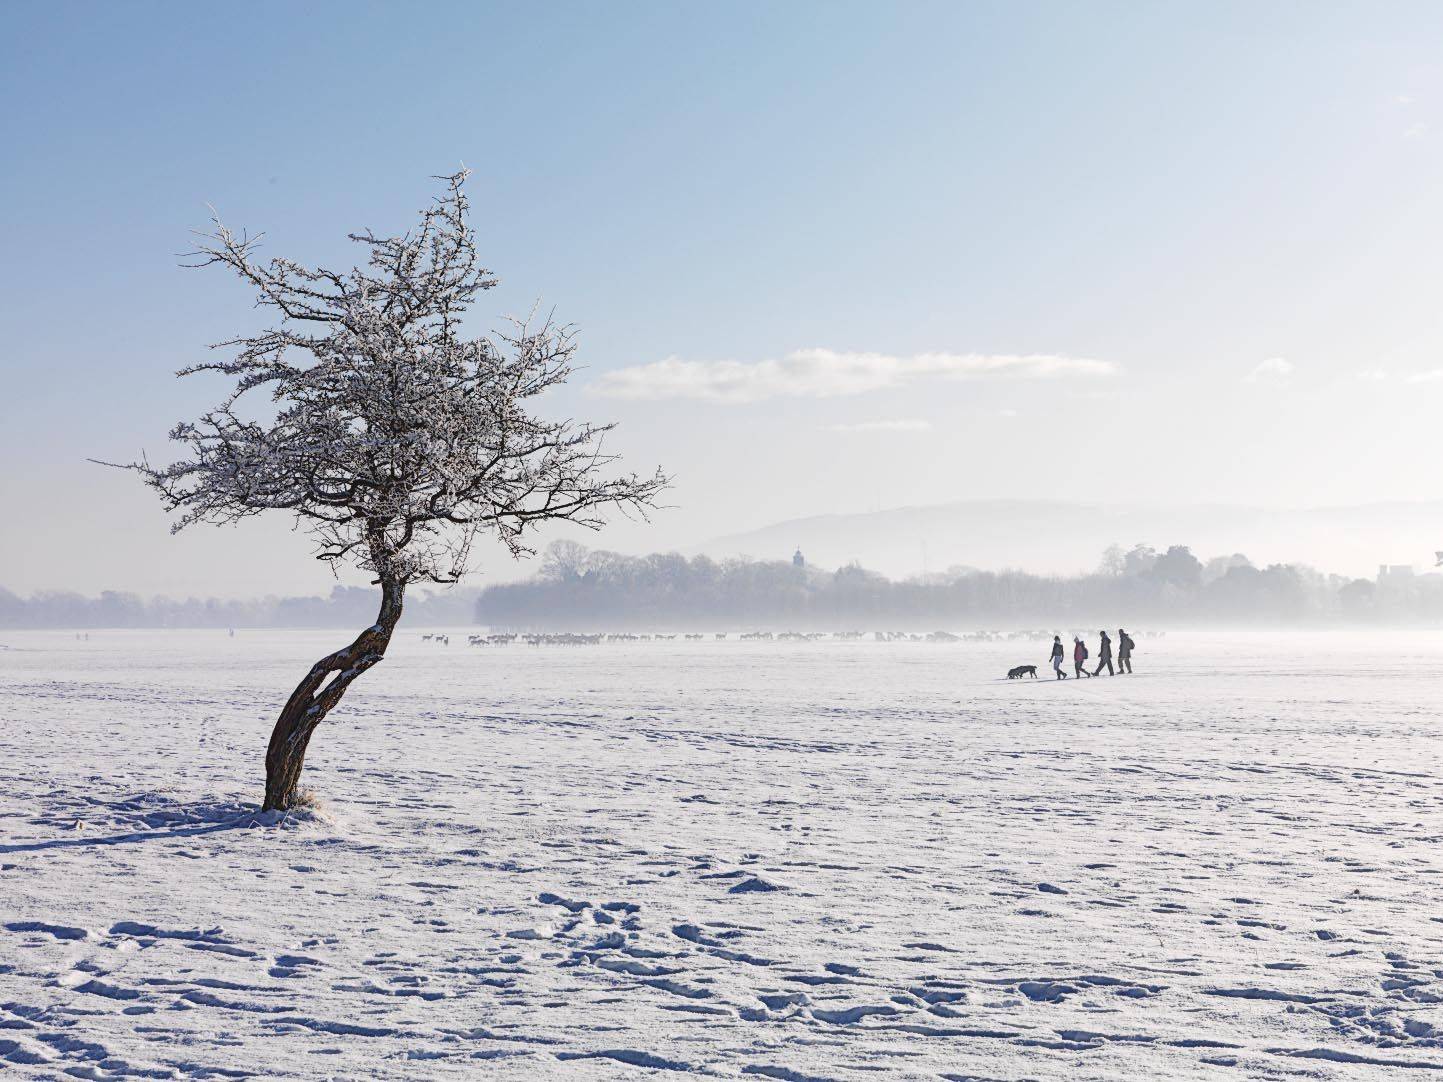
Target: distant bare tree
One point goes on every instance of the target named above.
(391, 437)
(564, 559)
(1114, 560)
(1139, 559)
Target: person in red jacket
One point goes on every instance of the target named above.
(1079, 657)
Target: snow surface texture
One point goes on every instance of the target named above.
(774, 860)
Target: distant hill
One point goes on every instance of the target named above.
(1064, 538)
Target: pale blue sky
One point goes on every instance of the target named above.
(1182, 192)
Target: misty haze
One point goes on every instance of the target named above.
(823, 542)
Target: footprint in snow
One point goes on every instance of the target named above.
(56, 931)
(547, 898)
(753, 885)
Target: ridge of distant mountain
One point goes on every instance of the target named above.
(1061, 537)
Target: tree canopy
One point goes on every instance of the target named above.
(393, 437)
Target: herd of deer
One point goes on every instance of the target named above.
(562, 639)
(574, 639)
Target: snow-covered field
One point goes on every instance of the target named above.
(832, 860)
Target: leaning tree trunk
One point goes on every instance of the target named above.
(315, 697)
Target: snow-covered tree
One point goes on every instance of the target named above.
(386, 432)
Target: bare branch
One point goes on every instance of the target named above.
(388, 436)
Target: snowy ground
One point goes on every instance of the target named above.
(842, 861)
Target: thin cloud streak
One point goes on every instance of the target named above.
(825, 373)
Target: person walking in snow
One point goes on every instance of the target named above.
(1124, 651)
(1057, 656)
(1104, 655)
(1079, 657)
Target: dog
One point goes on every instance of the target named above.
(1021, 671)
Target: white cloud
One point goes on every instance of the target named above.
(1272, 370)
(1415, 131)
(1372, 375)
(825, 373)
(1433, 375)
(1007, 413)
(883, 426)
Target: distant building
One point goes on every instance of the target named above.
(1394, 571)
(798, 560)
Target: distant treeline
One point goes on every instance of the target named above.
(582, 590)
(578, 589)
(347, 606)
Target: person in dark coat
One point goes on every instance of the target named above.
(1079, 657)
(1124, 651)
(1057, 655)
(1104, 656)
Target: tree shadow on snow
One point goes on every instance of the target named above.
(146, 817)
